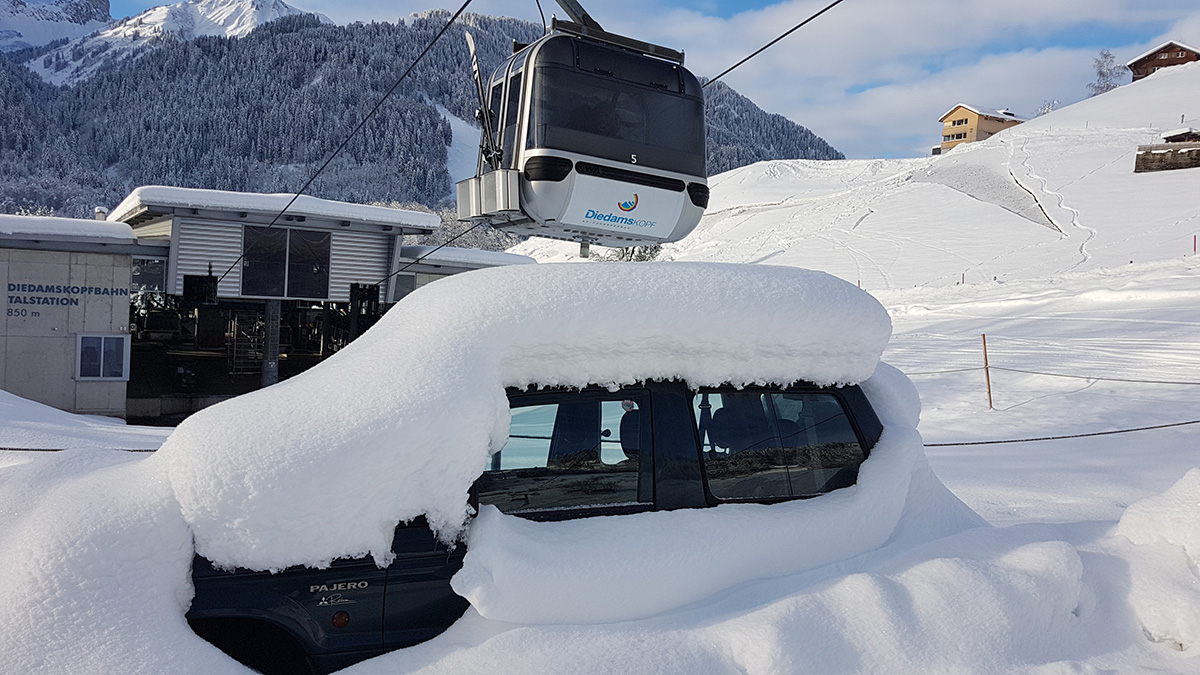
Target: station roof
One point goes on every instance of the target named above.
(451, 259)
(151, 202)
(68, 234)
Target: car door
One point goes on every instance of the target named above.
(420, 603)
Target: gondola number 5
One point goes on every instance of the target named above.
(633, 159)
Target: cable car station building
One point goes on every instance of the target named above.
(65, 311)
(184, 297)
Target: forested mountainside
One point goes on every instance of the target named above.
(261, 112)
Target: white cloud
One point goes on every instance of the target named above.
(870, 76)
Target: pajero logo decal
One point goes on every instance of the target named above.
(344, 586)
(630, 205)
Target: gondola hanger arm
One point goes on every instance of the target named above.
(578, 14)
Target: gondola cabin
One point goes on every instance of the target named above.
(590, 137)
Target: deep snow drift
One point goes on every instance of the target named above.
(418, 403)
(33, 426)
(1063, 591)
(251, 481)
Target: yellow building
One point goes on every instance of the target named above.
(969, 123)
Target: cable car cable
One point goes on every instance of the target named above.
(357, 128)
(449, 241)
(772, 42)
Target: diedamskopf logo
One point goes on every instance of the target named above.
(618, 219)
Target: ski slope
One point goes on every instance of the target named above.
(1053, 195)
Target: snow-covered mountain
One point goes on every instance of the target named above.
(33, 23)
(131, 37)
(1053, 195)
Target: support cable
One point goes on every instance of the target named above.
(357, 128)
(449, 241)
(772, 42)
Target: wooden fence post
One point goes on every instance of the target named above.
(987, 374)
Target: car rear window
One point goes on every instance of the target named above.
(577, 450)
(775, 444)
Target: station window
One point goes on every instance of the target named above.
(102, 357)
(281, 262)
(149, 275)
(958, 123)
(775, 444)
(1181, 54)
(1163, 55)
(571, 451)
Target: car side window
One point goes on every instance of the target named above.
(576, 450)
(775, 444)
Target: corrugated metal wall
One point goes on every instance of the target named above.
(200, 242)
(357, 257)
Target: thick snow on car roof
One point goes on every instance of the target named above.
(401, 422)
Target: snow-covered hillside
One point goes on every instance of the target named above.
(130, 37)
(1052, 195)
(32, 23)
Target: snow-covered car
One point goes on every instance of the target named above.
(553, 444)
(571, 453)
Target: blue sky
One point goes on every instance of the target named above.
(872, 77)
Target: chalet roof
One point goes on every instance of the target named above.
(1002, 113)
(1159, 48)
(1180, 133)
(157, 198)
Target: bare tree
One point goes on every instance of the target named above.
(633, 254)
(1108, 73)
(1045, 107)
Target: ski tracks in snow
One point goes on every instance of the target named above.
(1061, 202)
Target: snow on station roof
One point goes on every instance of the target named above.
(70, 234)
(450, 258)
(1002, 113)
(152, 201)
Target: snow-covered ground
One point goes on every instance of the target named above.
(1091, 306)
(463, 152)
